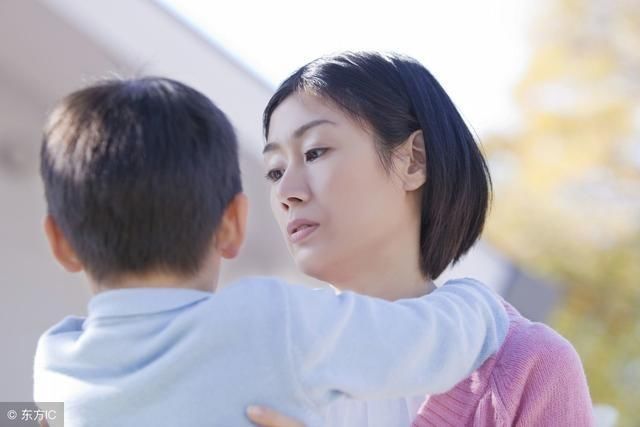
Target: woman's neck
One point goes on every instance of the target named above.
(382, 275)
(391, 289)
(387, 269)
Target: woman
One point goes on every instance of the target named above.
(375, 177)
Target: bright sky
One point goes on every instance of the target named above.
(478, 50)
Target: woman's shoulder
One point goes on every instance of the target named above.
(535, 378)
(538, 370)
(528, 344)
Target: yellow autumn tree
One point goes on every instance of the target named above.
(567, 201)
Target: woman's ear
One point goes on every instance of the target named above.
(60, 247)
(231, 231)
(414, 171)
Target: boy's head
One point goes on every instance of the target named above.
(141, 178)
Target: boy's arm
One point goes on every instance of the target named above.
(368, 348)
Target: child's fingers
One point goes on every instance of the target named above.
(266, 417)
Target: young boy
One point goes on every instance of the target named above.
(143, 191)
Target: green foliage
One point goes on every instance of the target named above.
(567, 201)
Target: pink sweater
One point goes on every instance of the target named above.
(535, 379)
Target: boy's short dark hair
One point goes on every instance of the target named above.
(137, 174)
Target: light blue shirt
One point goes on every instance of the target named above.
(183, 357)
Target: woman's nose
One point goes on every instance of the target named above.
(292, 189)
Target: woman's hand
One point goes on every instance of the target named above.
(266, 417)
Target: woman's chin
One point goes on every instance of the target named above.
(311, 264)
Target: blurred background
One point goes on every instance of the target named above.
(551, 88)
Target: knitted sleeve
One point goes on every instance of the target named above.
(556, 390)
(535, 379)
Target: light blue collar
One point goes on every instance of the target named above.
(136, 301)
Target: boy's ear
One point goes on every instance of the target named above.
(60, 247)
(231, 231)
(414, 164)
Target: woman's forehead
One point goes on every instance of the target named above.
(302, 109)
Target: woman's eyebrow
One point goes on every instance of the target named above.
(302, 129)
(297, 133)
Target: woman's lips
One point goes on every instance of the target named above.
(302, 232)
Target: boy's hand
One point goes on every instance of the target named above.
(266, 417)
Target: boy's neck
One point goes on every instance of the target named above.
(201, 282)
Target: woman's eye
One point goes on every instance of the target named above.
(314, 153)
(274, 175)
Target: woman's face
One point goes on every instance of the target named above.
(336, 206)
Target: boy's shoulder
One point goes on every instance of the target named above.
(266, 294)
(68, 324)
(254, 284)
(252, 288)
(266, 287)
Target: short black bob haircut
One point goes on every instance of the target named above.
(137, 174)
(393, 96)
